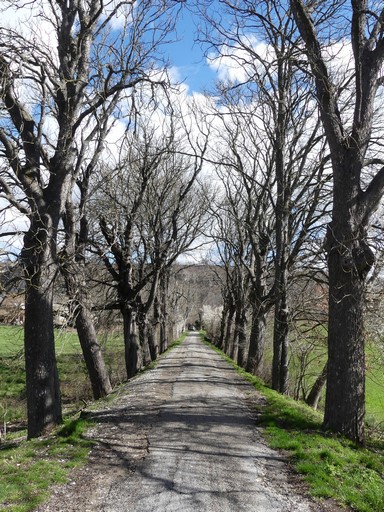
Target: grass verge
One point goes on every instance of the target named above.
(29, 468)
(332, 466)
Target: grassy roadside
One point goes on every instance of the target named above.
(333, 467)
(29, 468)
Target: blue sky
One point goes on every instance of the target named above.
(187, 55)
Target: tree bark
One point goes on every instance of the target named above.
(315, 394)
(130, 342)
(220, 343)
(72, 267)
(93, 357)
(349, 260)
(255, 361)
(145, 339)
(228, 340)
(42, 381)
(241, 336)
(282, 209)
(163, 310)
(280, 346)
(354, 202)
(153, 340)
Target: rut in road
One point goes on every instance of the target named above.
(182, 439)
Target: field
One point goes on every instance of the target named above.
(29, 468)
(332, 466)
(307, 359)
(75, 387)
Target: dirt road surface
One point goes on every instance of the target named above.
(181, 438)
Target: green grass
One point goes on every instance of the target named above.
(309, 349)
(75, 386)
(11, 341)
(375, 386)
(375, 397)
(29, 468)
(315, 361)
(12, 374)
(333, 467)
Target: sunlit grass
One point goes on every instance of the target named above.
(375, 385)
(74, 381)
(12, 374)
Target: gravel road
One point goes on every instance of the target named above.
(182, 437)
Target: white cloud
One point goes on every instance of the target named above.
(339, 59)
(175, 76)
(122, 12)
(32, 20)
(11, 221)
(236, 63)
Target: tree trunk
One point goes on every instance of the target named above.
(93, 357)
(354, 202)
(228, 340)
(257, 341)
(242, 345)
(282, 209)
(237, 333)
(42, 381)
(73, 274)
(315, 393)
(171, 333)
(345, 395)
(223, 323)
(349, 261)
(157, 340)
(259, 304)
(130, 342)
(280, 346)
(152, 341)
(163, 337)
(163, 288)
(145, 337)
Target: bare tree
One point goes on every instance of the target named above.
(53, 90)
(72, 264)
(231, 246)
(150, 212)
(273, 127)
(355, 196)
(245, 220)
